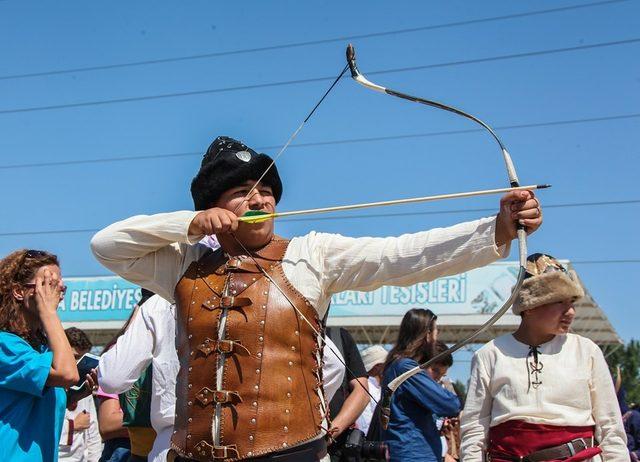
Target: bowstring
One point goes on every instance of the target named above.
(292, 137)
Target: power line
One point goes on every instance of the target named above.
(327, 143)
(527, 54)
(316, 79)
(603, 262)
(334, 217)
(305, 43)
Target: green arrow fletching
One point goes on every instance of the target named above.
(256, 216)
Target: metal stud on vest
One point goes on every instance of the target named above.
(250, 367)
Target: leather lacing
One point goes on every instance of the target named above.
(534, 368)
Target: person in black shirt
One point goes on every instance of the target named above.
(351, 398)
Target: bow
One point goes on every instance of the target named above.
(521, 233)
(514, 183)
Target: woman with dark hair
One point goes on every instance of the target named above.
(412, 434)
(36, 360)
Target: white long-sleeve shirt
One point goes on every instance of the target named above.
(85, 445)
(576, 390)
(155, 251)
(150, 339)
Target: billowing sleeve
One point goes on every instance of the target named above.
(476, 416)
(122, 365)
(22, 368)
(427, 393)
(368, 263)
(606, 411)
(152, 251)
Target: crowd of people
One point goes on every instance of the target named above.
(227, 355)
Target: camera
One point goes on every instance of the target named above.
(357, 449)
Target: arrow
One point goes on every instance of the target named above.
(257, 216)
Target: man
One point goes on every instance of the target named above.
(249, 314)
(80, 440)
(542, 393)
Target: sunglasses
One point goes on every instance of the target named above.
(35, 253)
(63, 290)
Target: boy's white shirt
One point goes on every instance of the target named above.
(576, 390)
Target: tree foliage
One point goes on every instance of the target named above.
(461, 390)
(627, 357)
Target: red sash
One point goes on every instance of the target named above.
(516, 438)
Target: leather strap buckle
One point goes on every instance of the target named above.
(207, 396)
(234, 302)
(225, 452)
(240, 265)
(562, 451)
(227, 302)
(224, 397)
(232, 346)
(574, 447)
(217, 452)
(223, 346)
(232, 263)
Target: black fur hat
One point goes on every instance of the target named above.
(229, 163)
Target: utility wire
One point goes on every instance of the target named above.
(345, 38)
(603, 262)
(316, 79)
(326, 143)
(380, 215)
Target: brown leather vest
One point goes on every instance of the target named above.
(233, 319)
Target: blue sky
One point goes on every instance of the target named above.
(586, 101)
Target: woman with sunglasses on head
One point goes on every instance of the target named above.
(36, 360)
(412, 434)
(542, 393)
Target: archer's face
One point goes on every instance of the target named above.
(252, 235)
